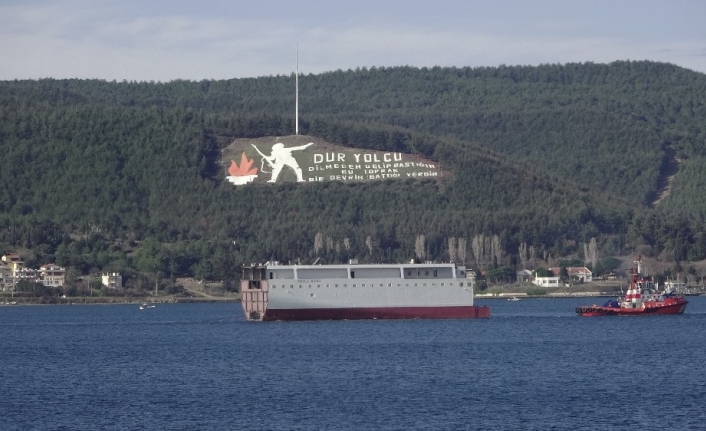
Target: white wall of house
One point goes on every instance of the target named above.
(112, 280)
(546, 281)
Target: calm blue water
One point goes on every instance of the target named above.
(532, 365)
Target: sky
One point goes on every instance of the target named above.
(165, 40)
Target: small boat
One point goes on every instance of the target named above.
(145, 306)
(643, 297)
(514, 299)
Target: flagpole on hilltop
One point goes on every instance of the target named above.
(296, 108)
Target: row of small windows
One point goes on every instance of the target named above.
(426, 273)
(410, 273)
(291, 286)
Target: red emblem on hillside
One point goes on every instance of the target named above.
(242, 174)
(244, 169)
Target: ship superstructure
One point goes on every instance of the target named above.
(273, 291)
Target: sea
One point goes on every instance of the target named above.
(534, 365)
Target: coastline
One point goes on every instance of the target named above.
(524, 295)
(235, 298)
(99, 300)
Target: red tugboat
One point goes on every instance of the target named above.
(642, 297)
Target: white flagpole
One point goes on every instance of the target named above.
(297, 95)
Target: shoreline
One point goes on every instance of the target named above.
(236, 298)
(138, 301)
(111, 300)
(523, 295)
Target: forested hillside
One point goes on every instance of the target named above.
(127, 176)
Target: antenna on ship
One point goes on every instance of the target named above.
(296, 104)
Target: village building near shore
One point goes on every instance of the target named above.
(5, 277)
(471, 275)
(524, 276)
(112, 280)
(546, 281)
(14, 262)
(28, 274)
(577, 273)
(13, 270)
(52, 275)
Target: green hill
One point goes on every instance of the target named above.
(131, 176)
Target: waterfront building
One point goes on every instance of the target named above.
(112, 280)
(52, 275)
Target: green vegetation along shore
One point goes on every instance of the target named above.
(542, 162)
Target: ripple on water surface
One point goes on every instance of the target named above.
(532, 365)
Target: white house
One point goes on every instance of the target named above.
(52, 275)
(471, 275)
(112, 280)
(27, 274)
(5, 277)
(580, 273)
(546, 281)
(14, 262)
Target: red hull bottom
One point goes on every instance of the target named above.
(674, 307)
(379, 313)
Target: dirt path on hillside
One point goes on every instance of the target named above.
(667, 173)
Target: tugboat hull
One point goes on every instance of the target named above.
(669, 306)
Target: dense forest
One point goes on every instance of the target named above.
(127, 176)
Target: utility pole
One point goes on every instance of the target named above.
(156, 281)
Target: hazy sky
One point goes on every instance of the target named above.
(163, 40)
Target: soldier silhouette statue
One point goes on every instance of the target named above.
(281, 157)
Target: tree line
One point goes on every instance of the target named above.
(126, 176)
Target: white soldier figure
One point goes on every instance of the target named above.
(281, 157)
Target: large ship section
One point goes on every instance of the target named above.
(332, 292)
